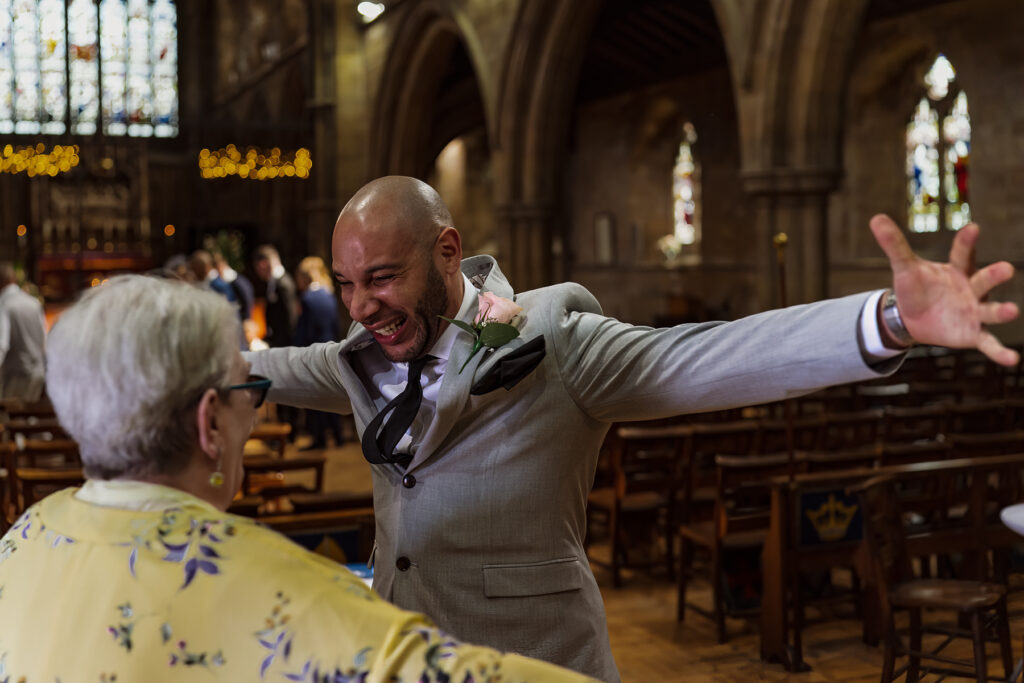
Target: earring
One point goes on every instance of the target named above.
(217, 477)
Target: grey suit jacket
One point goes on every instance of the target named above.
(488, 538)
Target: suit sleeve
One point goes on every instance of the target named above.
(615, 371)
(305, 377)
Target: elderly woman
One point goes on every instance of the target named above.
(140, 574)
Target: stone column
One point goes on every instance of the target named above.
(793, 201)
(531, 253)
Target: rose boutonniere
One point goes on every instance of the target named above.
(495, 325)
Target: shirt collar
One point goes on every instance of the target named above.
(442, 348)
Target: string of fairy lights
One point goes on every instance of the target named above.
(253, 163)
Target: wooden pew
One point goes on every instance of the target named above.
(791, 548)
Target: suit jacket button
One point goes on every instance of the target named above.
(403, 563)
(408, 481)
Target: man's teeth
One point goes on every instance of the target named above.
(390, 329)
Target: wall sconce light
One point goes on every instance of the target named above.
(369, 11)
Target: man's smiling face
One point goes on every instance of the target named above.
(389, 285)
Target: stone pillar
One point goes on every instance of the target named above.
(793, 201)
(530, 254)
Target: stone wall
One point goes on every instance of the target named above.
(622, 153)
(982, 39)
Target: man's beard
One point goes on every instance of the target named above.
(433, 303)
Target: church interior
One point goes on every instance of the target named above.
(684, 160)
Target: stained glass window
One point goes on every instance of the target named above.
(685, 190)
(937, 157)
(121, 57)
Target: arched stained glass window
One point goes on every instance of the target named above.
(116, 72)
(685, 189)
(938, 151)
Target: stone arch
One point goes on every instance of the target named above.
(418, 57)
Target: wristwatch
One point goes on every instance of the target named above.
(892, 320)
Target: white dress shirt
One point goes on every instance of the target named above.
(385, 380)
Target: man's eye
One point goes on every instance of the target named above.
(382, 279)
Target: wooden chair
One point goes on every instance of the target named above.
(35, 483)
(645, 469)
(899, 589)
(260, 469)
(861, 457)
(46, 465)
(704, 443)
(903, 424)
(843, 431)
(274, 435)
(992, 443)
(740, 521)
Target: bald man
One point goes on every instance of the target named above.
(480, 501)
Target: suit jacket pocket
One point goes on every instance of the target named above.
(534, 578)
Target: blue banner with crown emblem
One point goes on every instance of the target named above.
(830, 516)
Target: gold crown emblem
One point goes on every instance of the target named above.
(832, 519)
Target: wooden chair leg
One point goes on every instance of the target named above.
(1003, 631)
(914, 663)
(978, 635)
(889, 657)
(685, 549)
(670, 546)
(716, 593)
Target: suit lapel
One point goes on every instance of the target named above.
(363, 409)
(455, 385)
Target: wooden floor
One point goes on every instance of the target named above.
(650, 647)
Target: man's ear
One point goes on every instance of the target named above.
(207, 426)
(449, 250)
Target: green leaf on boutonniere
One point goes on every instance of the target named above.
(465, 327)
(494, 334)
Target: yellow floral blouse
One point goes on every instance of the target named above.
(154, 584)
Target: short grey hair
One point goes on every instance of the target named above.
(126, 366)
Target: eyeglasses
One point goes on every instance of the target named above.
(257, 386)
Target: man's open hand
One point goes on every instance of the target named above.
(943, 303)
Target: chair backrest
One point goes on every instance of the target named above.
(992, 443)
(743, 496)
(917, 451)
(703, 444)
(34, 483)
(981, 417)
(843, 431)
(861, 457)
(913, 423)
(884, 535)
(647, 459)
(773, 434)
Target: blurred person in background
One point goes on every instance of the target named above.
(245, 294)
(318, 322)
(281, 311)
(22, 338)
(141, 572)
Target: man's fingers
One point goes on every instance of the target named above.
(890, 238)
(991, 347)
(988, 277)
(961, 254)
(996, 313)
